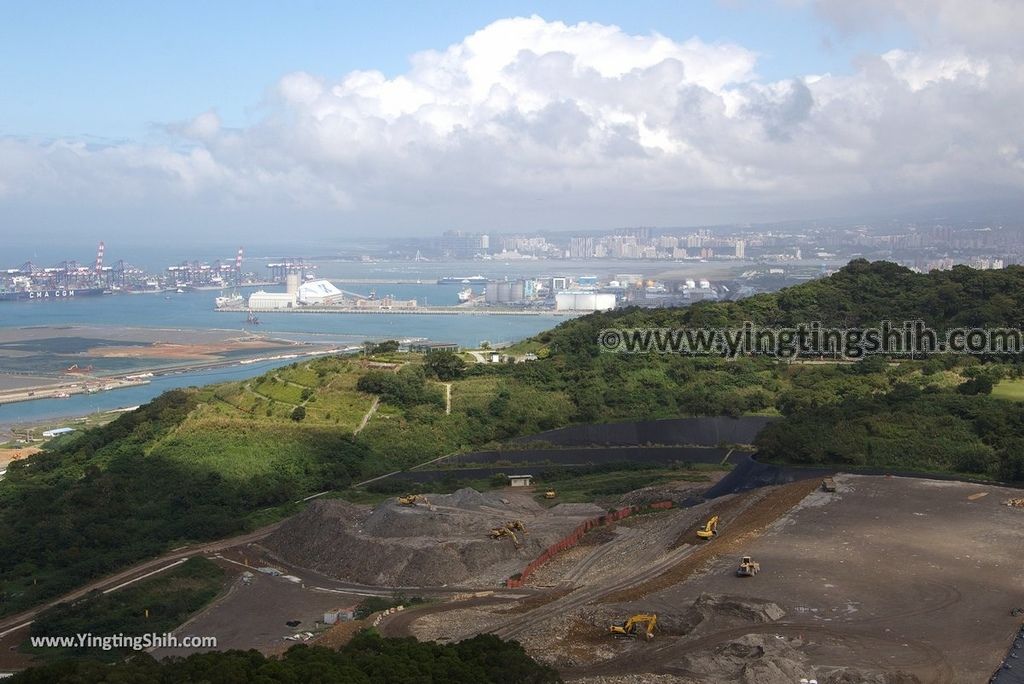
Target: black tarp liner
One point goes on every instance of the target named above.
(709, 431)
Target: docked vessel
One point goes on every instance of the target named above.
(467, 280)
(58, 293)
(229, 301)
(465, 295)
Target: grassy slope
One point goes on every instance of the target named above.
(218, 458)
(1009, 389)
(170, 598)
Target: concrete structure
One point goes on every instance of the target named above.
(342, 614)
(57, 432)
(433, 346)
(520, 480)
(385, 304)
(583, 300)
(316, 292)
(268, 301)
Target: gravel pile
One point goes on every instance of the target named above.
(750, 659)
(443, 543)
(455, 625)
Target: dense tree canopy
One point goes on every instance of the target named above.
(367, 659)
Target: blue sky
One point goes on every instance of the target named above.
(114, 69)
(137, 120)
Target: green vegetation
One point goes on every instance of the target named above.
(149, 481)
(407, 388)
(155, 605)
(380, 348)
(1009, 389)
(206, 463)
(367, 659)
(609, 481)
(906, 429)
(375, 604)
(444, 365)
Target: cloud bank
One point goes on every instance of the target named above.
(529, 122)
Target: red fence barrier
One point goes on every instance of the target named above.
(573, 538)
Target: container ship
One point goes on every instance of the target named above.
(50, 294)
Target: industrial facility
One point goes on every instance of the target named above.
(321, 294)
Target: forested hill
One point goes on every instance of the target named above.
(207, 462)
(862, 293)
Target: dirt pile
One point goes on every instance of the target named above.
(750, 659)
(670, 491)
(717, 611)
(442, 542)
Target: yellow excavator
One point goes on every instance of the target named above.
(550, 494)
(411, 499)
(507, 531)
(517, 525)
(641, 623)
(710, 528)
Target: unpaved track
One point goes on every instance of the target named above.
(587, 595)
(753, 511)
(26, 617)
(599, 554)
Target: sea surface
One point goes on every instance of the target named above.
(195, 311)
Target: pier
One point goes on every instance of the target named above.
(419, 310)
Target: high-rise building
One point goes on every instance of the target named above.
(741, 249)
(581, 247)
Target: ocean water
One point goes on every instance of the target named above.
(194, 311)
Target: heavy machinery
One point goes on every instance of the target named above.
(710, 528)
(499, 532)
(412, 499)
(550, 494)
(828, 484)
(517, 525)
(748, 567)
(641, 623)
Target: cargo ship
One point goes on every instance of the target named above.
(50, 294)
(469, 280)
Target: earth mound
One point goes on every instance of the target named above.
(442, 540)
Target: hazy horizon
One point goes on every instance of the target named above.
(256, 124)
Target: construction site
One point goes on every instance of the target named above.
(851, 578)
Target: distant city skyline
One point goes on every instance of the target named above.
(264, 123)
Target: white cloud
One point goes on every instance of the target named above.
(540, 122)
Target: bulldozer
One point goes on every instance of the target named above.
(641, 623)
(710, 528)
(550, 494)
(748, 567)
